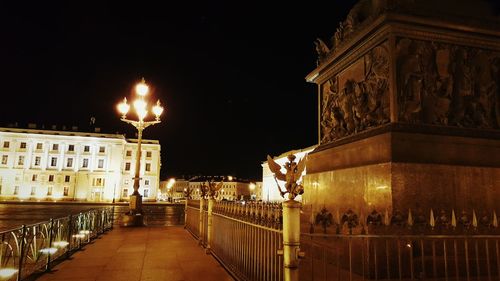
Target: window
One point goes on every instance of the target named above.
(129, 153)
(6, 144)
(126, 182)
(148, 154)
(33, 190)
(22, 145)
(86, 148)
(37, 161)
(100, 164)
(16, 190)
(20, 161)
(67, 178)
(102, 149)
(146, 192)
(51, 178)
(55, 147)
(99, 182)
(85, 163)
(66, 191)
(34, 177)
(53, 161)
(4, 159)
(127, 166)
(39, 145)
(49, 191)
(148, 167)
(71, 147)
(125, 192)
(69, 163)
(146, 182)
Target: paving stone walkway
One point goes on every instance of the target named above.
(140, 254)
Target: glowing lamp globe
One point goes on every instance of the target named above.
(139, 104)
(123, 107)
(158, 109)
(141, 113)
(142, 89)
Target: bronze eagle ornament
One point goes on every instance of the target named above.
(293, 173)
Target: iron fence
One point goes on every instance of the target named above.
(193, 220)
(402, 246)
(247, 238)
(32, 248)
(400, 257)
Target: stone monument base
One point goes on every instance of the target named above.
(401, 168)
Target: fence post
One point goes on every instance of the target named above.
(70, 233)
(21, 254)
(112, 216)
(51, 237)
(185, 212)
(291, 240)
(209, 224)
(200, 231)
(100, 222)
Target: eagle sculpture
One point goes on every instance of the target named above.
(293, 173)
(213, 188)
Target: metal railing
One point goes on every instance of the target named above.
(246, 237)
(400, 257)
(32, 248)
(193, 220)
(402, 246)
(247, 244)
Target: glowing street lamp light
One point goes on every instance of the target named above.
(140, 106)
(251, 186)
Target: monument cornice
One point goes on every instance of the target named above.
(414, 129)
(359, 44)
(402, 25)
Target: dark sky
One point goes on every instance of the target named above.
(230, 73)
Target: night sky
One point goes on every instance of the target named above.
(231, 74)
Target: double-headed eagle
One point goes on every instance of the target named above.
(293, 173)
(212, 188)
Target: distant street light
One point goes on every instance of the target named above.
(134, 216)
(251, 186)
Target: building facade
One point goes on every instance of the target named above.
(231, 190)
(67, 165)
(173, 189)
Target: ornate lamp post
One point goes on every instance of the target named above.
(134, 216)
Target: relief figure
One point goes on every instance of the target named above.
(410, 82)
(361, 102)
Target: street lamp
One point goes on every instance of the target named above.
(251, 186)
(140, 106)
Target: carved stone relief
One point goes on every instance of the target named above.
(358, 97)
(444, 84)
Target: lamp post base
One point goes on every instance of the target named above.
(132, 220)
(134, 217)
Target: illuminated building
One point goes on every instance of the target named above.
(68, 165)
(270, 190)
(234, 189)
(173, 189)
